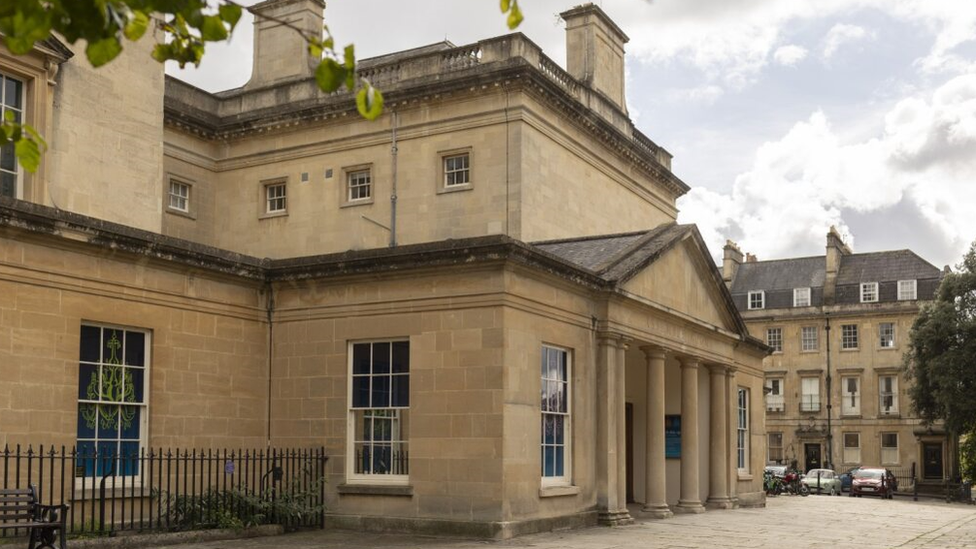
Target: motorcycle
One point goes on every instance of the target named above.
(793, 486)
(772, 484)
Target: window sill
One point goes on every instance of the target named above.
(851, 350)
(181, 213)
(354, 203)
(405, 490)
(887, 348)
(810, 351)
(744, 476)
(273, 214)
(455, 188)
(850, 416)
(558, 491)
(895, 415)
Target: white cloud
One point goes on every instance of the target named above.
(703, 95)
(801, 184)
(841, 34)
(790, 55)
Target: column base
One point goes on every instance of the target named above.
(658, 511)
(689, 507)
(615, 518)
(721, 502)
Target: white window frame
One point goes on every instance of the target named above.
(352, 476)
(454, 176)
(907, 290)
(891, 410)
(761, 294)
(17, 171)
(275, 202)
(360, 181)
(775, 399)
(769, 447)
(889, 454)
(886, 335)
(135, 479)
(869, 292)
(852, 454)
(774, 338)
(809, 401)
(801, 297)
(850, 403)
(175, 186)
(808, 344)
(849, 337)
(566, 479)
(742, 430)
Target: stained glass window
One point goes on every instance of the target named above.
(112, 380)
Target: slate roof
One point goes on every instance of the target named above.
(780, 274)
(885, 267)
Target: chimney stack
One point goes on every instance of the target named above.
(731, 259)
(595, 51)
(281, 53)
(836, 248)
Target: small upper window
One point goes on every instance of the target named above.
(869, 292)
(276, 199)
(12, 101)
(457, 170)
(774, 338)
(801, 297)
(360, 184)
(886, 335)
(907, 290)
(848, 336)
(179, 196)
(808, 338)
(757, 300)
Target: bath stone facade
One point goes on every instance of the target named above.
(838, 325)
(531, 341)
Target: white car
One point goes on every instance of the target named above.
(822, 481)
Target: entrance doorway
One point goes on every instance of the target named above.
(630, 452)
(932, 466)
(811, 456)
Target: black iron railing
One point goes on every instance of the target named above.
(162, 489)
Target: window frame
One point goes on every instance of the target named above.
(567, 478)
(777, 345)
(265, 204)
(770, 447)
(811, 407)
(881, 336)
(188, 200)
(143, 439)
(773, 404)
(352, 477)
(797, 292)
(914, 290)
(804, 339)
(24, 81)
(894, 408)
(849, 341)
(347, 175)
(869, 292)
(895, 449)
(762, 299)
(852, 449)
(853, 409)
(444, 157)
(742, 447)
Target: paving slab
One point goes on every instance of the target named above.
(815, 522)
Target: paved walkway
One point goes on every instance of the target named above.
(788, 522)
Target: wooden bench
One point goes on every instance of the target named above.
(21, 508)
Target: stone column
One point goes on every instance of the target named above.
(655, 479)
(608, 416)
(689, 500)
(621, 409)
(732, 433)
(718, 437)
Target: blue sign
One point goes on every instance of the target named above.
(672, 436)
(229, 467)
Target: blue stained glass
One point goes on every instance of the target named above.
(137, 375)
(360, 392)
(360, 358)
(401, 357)
(401, 390)
(86, 425)
(106, 462)
(108, 422)
(129, 460)
(85, 459)
(112, 346)
(559, 450)
(381, 358)
(548, 461)
(90, 343)
(380, 395)
(87, 382)
(130, 417)
(135, 349)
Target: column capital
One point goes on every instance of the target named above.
(717, 369)
(654, 351)
(690, 362)
(730, 370)
(610, 338)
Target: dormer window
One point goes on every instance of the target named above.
(757, 300)
(907, 290)
(801, 297)
(869, 292)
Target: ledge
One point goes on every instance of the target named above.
(375, 490)
(558, 491)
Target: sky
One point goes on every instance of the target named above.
(784, 116)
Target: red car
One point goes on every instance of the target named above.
(874, 481)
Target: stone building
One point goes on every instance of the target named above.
(838, 325)
(277, 271)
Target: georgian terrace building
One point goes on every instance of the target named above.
(480, 304)
(838, 325)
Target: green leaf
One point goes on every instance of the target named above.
(315, 49)
(28, 153)
(515, 17)
(230, 13)
(212, 29)
(329, 75)
(350, 59)
(103, 51)
(369, 101)
(506, 5)
(136, 27)
(162, 52)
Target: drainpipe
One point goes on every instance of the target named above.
(830, 433)
(269, 289)
(393, 196)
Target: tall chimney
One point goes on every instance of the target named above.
(280, 52)
(731, 259)
(836, 248)
(595, 51)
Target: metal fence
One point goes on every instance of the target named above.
(163, 489)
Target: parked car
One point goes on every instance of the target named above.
(778, 471)
(846, 477)
(822, 481)
(874, 481)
